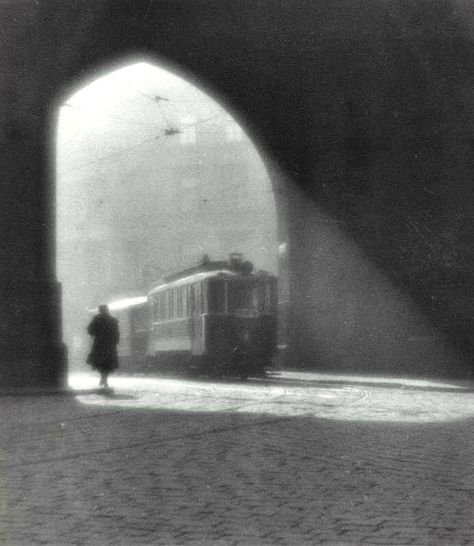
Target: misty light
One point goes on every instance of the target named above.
(309, 395)
(152, 173)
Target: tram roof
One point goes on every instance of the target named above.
(203, 275)
(197, 277)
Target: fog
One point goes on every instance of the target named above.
(152, 174)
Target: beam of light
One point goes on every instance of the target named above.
(291, 394)
(349, 312)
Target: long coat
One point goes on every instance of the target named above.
(105, 331)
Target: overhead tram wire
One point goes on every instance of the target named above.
(158, 99)
(204, 120)
(132, 149)
(169, 130)
(127, 150)
(154, 97)
(128, 121)
(144, 124)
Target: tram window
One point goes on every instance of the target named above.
(194, 298)
(184, 300)
(198, 298)
(216, 296)
(179, 294)
(245, 296)
(161, 313)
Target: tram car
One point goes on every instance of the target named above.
(218, 318)
(133, 315)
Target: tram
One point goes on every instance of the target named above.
(133, 315)
(218, 318)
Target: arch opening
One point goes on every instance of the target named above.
(152, 174)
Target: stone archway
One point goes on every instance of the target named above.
(364, 110)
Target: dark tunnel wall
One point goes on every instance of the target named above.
(363, 111)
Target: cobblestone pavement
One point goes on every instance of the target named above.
(297, 459)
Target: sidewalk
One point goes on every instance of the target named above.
(301, 459)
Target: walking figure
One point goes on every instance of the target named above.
(103, 356)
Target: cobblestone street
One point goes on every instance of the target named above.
(295, 459)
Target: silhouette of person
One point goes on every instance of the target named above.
(103, 356)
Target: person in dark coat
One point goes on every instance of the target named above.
(103, 356)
